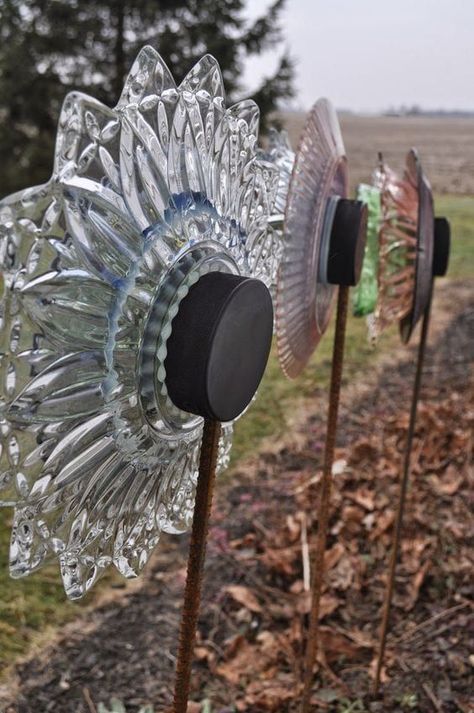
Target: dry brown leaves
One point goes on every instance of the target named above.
(254, 644)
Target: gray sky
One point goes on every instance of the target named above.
(368, 55)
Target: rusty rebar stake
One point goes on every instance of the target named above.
(403, 487)
(197, 553)
(317, 564)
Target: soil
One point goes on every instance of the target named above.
(255, 604)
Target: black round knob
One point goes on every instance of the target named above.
(219, 345)
(441, 247)
(347, 242)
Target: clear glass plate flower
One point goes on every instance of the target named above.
(144, 199)
(304, 297)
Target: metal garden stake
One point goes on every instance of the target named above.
(441, 250)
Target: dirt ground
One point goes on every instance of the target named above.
(449, 162)
(255, 605)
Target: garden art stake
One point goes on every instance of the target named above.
(413, 249)
(135, 318)
(323, 245)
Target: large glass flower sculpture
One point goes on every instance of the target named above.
(144, 200)
(323, 245)
(319, 180)
(405, 247)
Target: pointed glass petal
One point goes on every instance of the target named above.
(68, 389)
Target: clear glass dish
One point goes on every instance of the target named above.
(143, 200)
(304, 298)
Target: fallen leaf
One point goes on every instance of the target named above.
(201, 653)
(281, 560)
(244, 596)
(293, 525)
(363, 497)
(447, 484)
(342, 576)
(335, 644)
(333, 555)
(269, 699)
(384, 677)
(327, 605)
(384, 522)
(363, 450)
(416, 585)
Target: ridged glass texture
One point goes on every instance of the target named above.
(365, 293)
(397, 244)
(303, 300)
(281, 154)
(424, 254)
(144, 199)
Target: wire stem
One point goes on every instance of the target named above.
(317, 564)
(197, 554)
(403, 486)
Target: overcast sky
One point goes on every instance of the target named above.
(368, 55)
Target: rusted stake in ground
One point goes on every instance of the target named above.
(402, 495)
(317, 564)
(197, 553)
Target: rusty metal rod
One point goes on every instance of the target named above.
(403, 487)
(197, 553)
(317, 564)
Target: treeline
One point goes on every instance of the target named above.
(48, 47)
(418, 111)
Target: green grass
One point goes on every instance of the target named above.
(460, 211)
(28, 606)
(31, 605)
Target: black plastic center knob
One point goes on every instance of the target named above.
(441, 247)
(347, 242)
(219, 345)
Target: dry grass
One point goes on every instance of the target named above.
(446, 146)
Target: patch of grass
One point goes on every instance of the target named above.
(460, 212)
(31, 605)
